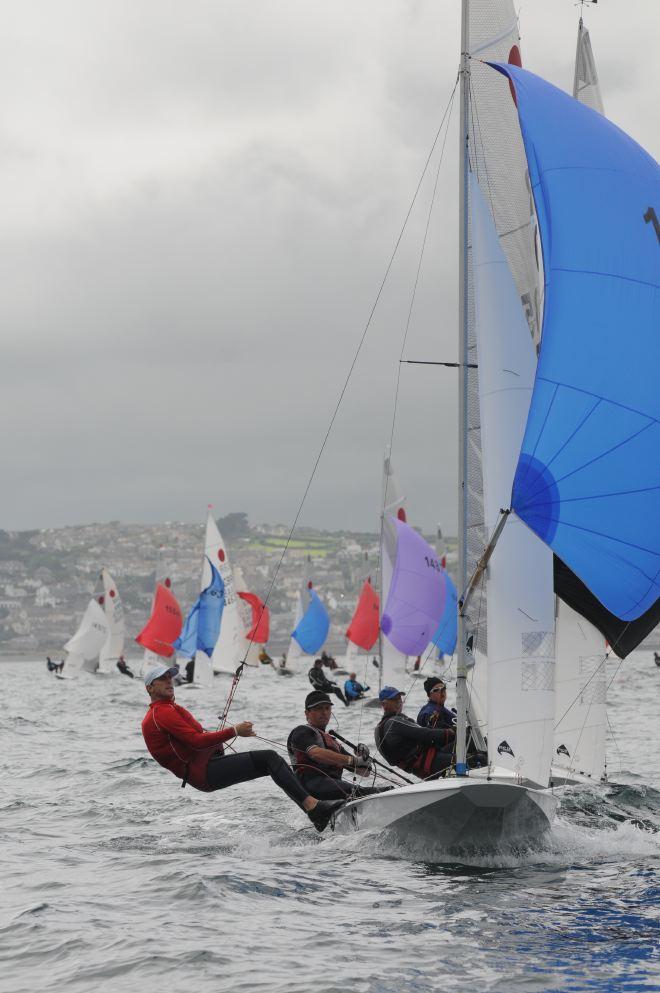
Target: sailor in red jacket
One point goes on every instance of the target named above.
(179, 743)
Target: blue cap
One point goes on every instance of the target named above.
(390, 693)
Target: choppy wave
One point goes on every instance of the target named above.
(115, 879)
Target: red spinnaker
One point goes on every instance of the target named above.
(363, 629)
(260, 630)
(164, 625)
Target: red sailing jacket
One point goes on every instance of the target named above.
(179, 743)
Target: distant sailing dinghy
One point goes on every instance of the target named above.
(113, 646)
(312, 624)
(84, 647)
(567, 445)
(163, 577)
(164, 625)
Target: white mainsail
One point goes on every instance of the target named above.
(90, 637)
(520, 592)
(227, 652)
(294, 651)
(586, 88)
(113, 647)
(580, 704)
(581, 685)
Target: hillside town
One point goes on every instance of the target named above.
(47, 576)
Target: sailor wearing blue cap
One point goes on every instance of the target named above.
(404, 743)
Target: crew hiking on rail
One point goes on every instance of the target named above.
(179, 743)
(320, 681)
(319, 761)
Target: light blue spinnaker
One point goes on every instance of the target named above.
(313, 628)
(202, 625)
(445, 637)
(588, 477)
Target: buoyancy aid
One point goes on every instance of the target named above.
(304, 764)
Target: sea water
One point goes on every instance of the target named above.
(116, 879)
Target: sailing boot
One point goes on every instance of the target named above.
(323, 813)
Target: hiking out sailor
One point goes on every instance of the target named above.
(179, 743)
(320, 681)
(50, 665)
(435, 714)
(425, 751)
(354, 690)
(123, 667)
(190, 670)
(319, 761)
(328, 661)
(264, 657)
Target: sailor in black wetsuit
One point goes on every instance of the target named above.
(123, 668)
(318, 759)
(320, 681)
(425, 751)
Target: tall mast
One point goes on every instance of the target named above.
(461, 668)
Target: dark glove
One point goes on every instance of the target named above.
(362, 751)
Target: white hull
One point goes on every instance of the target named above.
(457, 814)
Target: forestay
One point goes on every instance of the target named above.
(588, 477)
(520, 584)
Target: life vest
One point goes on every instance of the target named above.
(303, 764)
(407, 755)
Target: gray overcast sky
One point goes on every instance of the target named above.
(198, 203)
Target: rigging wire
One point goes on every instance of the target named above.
(241, 666)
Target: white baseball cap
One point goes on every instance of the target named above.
(159, 671)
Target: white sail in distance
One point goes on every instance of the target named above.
(227, 652)
(113, 647)
(520, 590)
(294, 651)
(249, 651)
(90, 637)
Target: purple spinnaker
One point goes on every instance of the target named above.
(416, 598)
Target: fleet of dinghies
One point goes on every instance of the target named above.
(559, 413)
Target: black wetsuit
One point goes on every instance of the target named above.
(404, 743)
(123, 668)
(190, 670)
(320, 779)
(319, 681)
(229, 770)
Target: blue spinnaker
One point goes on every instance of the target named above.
(186, 643)
(313, 627)
(202, 626)
(588, 477)
(445, 636)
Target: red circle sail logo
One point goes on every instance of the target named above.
(168, 582)
(112, 593)
(101, 600)
(221, 554)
